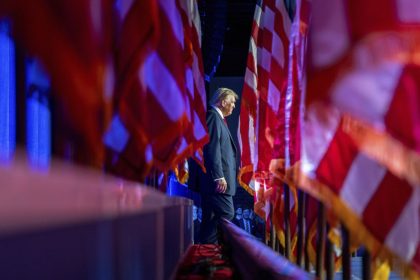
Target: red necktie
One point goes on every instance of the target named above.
(225, 121)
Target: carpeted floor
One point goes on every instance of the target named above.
(205, 261)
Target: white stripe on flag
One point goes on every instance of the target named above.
(123, 6)
(199, 130)
(117, 135)
(268, 19)
(404, 237)
(163, 86)
(330, 38)
(264, 59)
(199, 80)
(190, 8)
(374, 88)
(96, 16)
(361, 183)
(196, 19)
(408, 11)
(148, 153)
(317, 135)
(189, 81)
(174, 18)
(253, 49)
(253, 149)
(257, 15)
(285, 16)
(251, 80)
(240, 137)
(278, 50)
(273, 96)
(183, 146)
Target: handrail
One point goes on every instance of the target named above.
(253, 259)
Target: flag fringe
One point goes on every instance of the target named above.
(242, 171)
(359, 233)
(386, 150)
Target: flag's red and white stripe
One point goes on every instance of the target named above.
(161, 101)
(361, 151)
(194, 73)
(271, 102)
(287, 134)
(128, 153)
(265, 82)
(72, 40)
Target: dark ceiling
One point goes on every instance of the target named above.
(238, 31)
(226, 26)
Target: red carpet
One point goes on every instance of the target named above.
(204, 261)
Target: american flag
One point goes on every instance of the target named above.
(73, 41)
(270, 101)
(287, 138)
(361, 141)
(125, 140)
(162, 101)
(265, 82)
(197, 136)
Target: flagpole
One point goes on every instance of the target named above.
(366, 260)
(307, 262)
(320, 242)
(287, 220)
(307, 240)
(346, 257)
(329, 262)
(301, 228)
(273, 236)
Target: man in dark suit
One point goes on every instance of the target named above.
(218, 184)
(238, 216)
(246, 223)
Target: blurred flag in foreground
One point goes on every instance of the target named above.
(361, 132)
(287, 137)
(72, 39)
(265, 83)
(160, 89)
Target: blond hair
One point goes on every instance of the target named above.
(221, 94)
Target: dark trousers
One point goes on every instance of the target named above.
(215, 207)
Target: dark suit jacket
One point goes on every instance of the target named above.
(241, 224)
(219, 155)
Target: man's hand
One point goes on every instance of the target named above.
(221, 185)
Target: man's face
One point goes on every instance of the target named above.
(228, 104)
(246, 214)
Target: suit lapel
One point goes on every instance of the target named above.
(226, 128)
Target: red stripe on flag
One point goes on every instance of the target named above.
(403, 116)
(133, 49)
(334, 166)
(280, 29)
(281, 75)
(389, 200)
(255, 30)
(251, 64)
(72, 39)
(363, 19)
(416, 259)
(170, 51)
(249, 101)
(267, 40)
